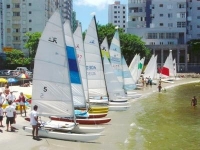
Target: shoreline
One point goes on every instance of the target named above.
(115, 135)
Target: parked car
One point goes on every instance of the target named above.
(19, 70)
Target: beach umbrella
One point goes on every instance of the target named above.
(12, 80)
(23, 76)
(3, 80)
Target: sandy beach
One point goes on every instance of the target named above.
(114, 137)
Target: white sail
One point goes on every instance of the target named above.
(76, 81)
(148, 70)
(168, 68)
(95, 75)
(115, 56)
(113, 85)
(134, 71)
(52, 87)
(78, 40)
(132, 64)
(127, 77)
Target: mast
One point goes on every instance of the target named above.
(60, 7)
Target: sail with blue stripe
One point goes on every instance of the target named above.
(76, 81)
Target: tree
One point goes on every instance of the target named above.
(194, 50)
(32, 43)
(15, 58)
(130, 44)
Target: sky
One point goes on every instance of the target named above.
(85, 9)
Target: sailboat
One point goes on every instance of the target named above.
(77, 89)
(167, 71)
(95, 75)
(52, 89)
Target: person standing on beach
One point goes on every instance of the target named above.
(22, 103)
(10, 115)
(159, 87)
(11, 97)
(194, 101)
(34, 122)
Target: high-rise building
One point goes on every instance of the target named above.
(117, 14)
(21, 16)
(165, 25)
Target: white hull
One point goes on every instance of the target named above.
(118, 108)
(131, 92)
(105, 101)
(119, 103)
(85, 129)
(132, 96)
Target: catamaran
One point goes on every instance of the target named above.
(52, 91)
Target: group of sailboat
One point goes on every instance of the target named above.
(81, 76)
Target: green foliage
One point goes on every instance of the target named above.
(16, 58)
(194, 46)
(32, 43)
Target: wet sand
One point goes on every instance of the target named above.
(114, 137)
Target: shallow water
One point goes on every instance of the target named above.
(166, 121)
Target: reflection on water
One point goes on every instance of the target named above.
(166, 121)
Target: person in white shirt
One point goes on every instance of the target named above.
(34, 122)
(1, 116)
(2, 98)
(11, 97)
(10, 114)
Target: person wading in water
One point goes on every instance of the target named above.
(194, 101)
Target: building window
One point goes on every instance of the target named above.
(123, 12)
(170, 43)
(118, 16)
(181, 15)
(170, 15)
(24, 30)
(151, 43)
(181, 25)
(29, 4)
(198, 26)
(123, 7)
(161, 24)
(124, 26)
(30, 29)
(115, 6)
(161, 5)
(170, 35)
(115, 12)
(118, 11)
(123, 16)
(198, 8)
(115, 21)
(198, 35)
(8, 6)
(16, 38)
(124, 21)
(161, 15)
(118, 21)
(170, 24)
(30, 12)
(198, 17)
(17, 5)
(8, 30)
(16, 30)
(16, 13)
(161, 43)
(181, 5)
(115, 16)
(161, 35)
(152, 35)
(30, 21)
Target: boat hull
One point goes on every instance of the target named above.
(91, 121)
(69, 136)
(119, 103)
(118, 108)
(70, 126)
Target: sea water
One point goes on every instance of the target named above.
(166, 121)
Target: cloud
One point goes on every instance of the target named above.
(99, 4)
(93, 14)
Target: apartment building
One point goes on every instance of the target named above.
(117, 14)
(165, 25)
(21, 16)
